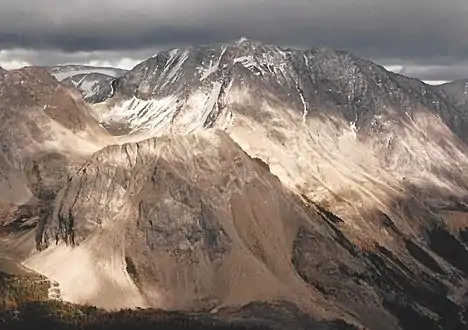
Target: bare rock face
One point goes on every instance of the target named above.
(240, 78)
(183, 220)
(95, 87)
(35, 87)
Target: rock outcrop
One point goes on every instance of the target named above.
(95, 87)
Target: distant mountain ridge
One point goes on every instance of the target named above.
(64, 71)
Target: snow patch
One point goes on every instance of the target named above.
(304, 104)
(354, 129)
(199, 107)
(88, 87)
(139, 113)
(168, 114)
(306, 60)
(213, 68)
(177, 60)
(249, 63)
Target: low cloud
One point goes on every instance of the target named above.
(427, 37)
(17, 58)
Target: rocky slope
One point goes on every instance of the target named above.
(192, 222)
(246, 173)
(197, 206)
(317, 80)
(45, 131)
(457, 91)
(327, 123)
(95, 87)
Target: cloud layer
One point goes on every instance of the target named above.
(417, 33)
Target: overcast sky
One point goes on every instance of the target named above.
(427, 39)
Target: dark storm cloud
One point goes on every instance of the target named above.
(422, 32)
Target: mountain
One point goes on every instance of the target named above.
(94, 83)
(246, 174)
(62, 72)
(46, 130)
(319, 78)
(457, 91)
(300, 111)
(95, 87)
(198, 204)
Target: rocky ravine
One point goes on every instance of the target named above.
(362, 217)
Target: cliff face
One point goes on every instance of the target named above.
(181, 217)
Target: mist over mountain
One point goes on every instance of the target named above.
(241, 175)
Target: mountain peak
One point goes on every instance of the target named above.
(245, 40)
(308, 81)
(241, 40)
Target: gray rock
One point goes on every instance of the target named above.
(95, 87)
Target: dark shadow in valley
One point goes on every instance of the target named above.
(416, 282)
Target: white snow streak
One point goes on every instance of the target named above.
(354, 129)
(305, 109)
(306, 60)
(249, 63)
(197, 110)
(213, 68)
(141, 114)
(171, 74)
